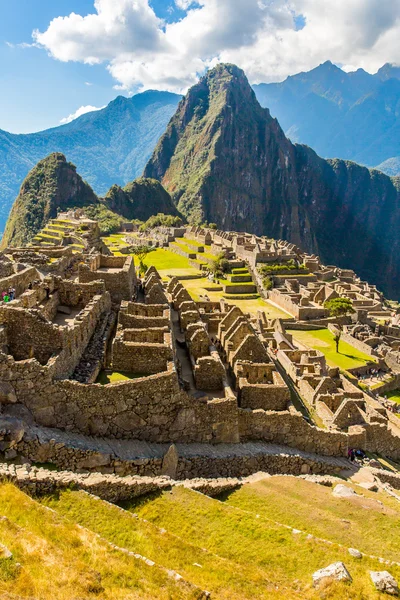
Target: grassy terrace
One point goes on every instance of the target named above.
(238, 549)
(348, 357)
(53, 559)
(395, 396)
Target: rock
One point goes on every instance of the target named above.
(355, 553)
(65, 310)
(342, 491)
(336, 571)
(7, 393)
(94, 461)
(170, 462)
(384, 582)
(371, 486)
(375, 464)
(5, 552)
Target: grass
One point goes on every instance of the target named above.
(287, 561)
(359, 522)
(238, 555)
(59, 561)
(116, 376)
(348, 357)
(394, 395)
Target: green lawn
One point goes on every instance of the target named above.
(348, 357)
(116, 377)
(395, 396)
(165, 260)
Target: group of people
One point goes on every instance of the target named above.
(371, 373)
(355, 454)
(9, 295)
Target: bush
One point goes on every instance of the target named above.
(109, 222)
(278, 267)
(268, 283)
(161, 220)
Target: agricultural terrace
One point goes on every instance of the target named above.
(348, 357)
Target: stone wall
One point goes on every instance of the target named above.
(141, 357)
(19, 281)
(119, 280)
(291, 429)
(265, 396)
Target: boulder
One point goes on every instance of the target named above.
(7, 393)
(11, 432)
(170, 462)
(355, 553)
(384, 582)
(342, 491)
(5, 552)
(336, 571)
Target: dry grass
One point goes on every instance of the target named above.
(55, 560)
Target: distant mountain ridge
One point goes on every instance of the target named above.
(353, 116)
(109, 146)
(224, 159)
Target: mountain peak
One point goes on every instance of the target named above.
(388, 71)
(51, 185)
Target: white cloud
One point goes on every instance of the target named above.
(78, 113)
(88, 83)
(261, 36)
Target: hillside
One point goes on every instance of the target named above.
(108, 146)
(51, 186)
(258, 542)
(224, 159)
(54, 185)
(352, 115)
(140, 199)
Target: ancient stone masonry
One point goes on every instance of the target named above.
(117, 272)
(94, 360)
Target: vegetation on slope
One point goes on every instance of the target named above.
(52, 186)
(54, 559)
(140, 199)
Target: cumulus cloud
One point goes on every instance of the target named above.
(79, 112)
(261, 36)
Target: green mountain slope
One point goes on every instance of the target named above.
(140, 199)
(108, 146)
(51, 186)
(224, 159)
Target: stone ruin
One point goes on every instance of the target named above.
(88, 355)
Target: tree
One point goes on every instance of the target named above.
(339, 307)
(141, 252)
(220, 265)
(336, 336)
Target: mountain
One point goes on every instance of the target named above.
(54, 185)
(140, 199)
(108, 146)
(224, 159)
(51, 186)
(353, 116)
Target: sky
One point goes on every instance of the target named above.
(61, 58)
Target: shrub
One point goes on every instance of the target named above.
(161, 220)
(268, 283)
(338, 307)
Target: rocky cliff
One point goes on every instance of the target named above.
(140, 199)
(51, 186)
(224, 159)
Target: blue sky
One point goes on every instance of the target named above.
(36, 90)
(86, 52)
